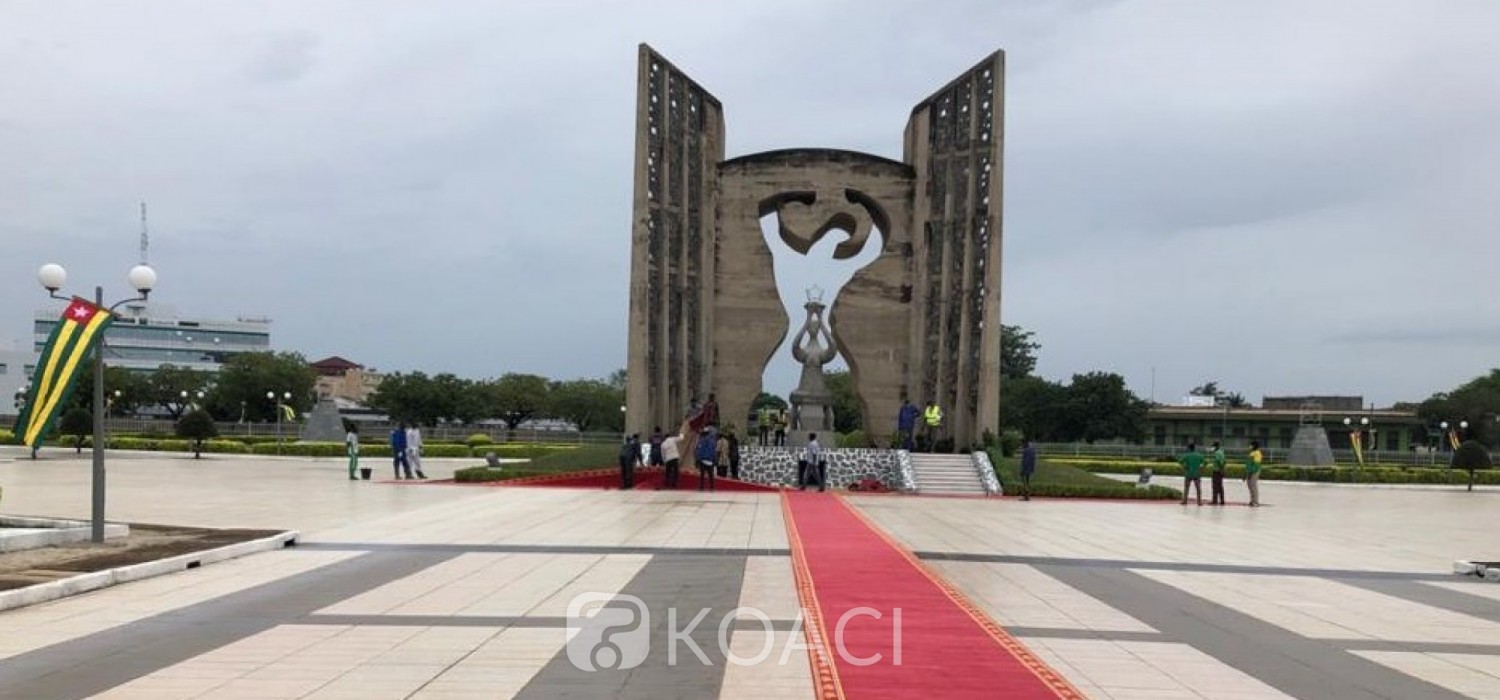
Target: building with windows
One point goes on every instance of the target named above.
(339, 378)
(147, 336)
(1275, 424)
(16, 367)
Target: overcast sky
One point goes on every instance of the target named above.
(1286, 196)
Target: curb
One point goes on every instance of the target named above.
(1487, 571)
(83, 583)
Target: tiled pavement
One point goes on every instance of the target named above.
(448, 592)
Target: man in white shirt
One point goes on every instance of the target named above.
(351, 448)
(812, 464)
(672, 456)
(414, 449)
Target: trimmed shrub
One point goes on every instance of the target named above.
(478, 439)
(855, 439)
(1010, 443)
(478, 474)
(1471, 456)
(7, 437)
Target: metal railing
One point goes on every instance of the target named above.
(1273, 455)
(370, 431)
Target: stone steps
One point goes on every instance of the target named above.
(946, 474)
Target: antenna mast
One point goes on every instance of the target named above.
(145, 235)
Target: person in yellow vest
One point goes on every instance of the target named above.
(763, 424)
(932, 419)
(781, 425)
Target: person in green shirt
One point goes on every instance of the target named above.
(1253, 460)
(1216, 477)
(1192, 472)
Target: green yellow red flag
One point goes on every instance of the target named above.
(63, 359)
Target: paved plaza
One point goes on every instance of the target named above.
(443, 591)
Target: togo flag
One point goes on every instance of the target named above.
(81, 328)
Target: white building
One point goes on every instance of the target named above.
(148, 335)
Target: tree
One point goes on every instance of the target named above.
(590, 404)
(847, 414)
(242, 384)
(617, 380)
(407, 398)
(455, 400)
(133, 388)
(1233, 399)
(1098, 406)
(165, 385)
(1017, 352)
(771, 401)
(515, 398)
(1469, 456)
(1476, 401)
(77, 422)
(197, 426)
(1033, 406)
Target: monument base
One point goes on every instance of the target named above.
(1310, 448)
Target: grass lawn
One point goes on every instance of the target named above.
(1061, 480)
(558, 462)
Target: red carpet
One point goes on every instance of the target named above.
(645, 480)
(948, 647)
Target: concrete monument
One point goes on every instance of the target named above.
(812, 402)
(921, 320)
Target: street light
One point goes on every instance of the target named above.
(143, 279)
(1364, 425)
(186, 395)
(287, 395)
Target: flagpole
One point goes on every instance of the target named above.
(53, 276)
(96, 525)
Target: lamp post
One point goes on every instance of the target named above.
(186, 395)
(21, 404)
(286, 395)
(143, 279)
(1364, 424)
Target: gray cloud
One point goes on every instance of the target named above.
(1251, 192)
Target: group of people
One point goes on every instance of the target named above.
(406, 451)
(714, 454)
(771, 425)
(930, 419)
(1193, 463)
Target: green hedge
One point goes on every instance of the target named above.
(7, 437)
(519, 450)
(478, 439)
(1150, 493)
(1338, 475)
(479, 474)
(151, 444)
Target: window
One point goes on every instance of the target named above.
(4, 368)
(1160, 435)
(1393, 440)
(1239, 431)
(1216, 431)
(28, 370)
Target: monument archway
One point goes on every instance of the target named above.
(921, 320)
